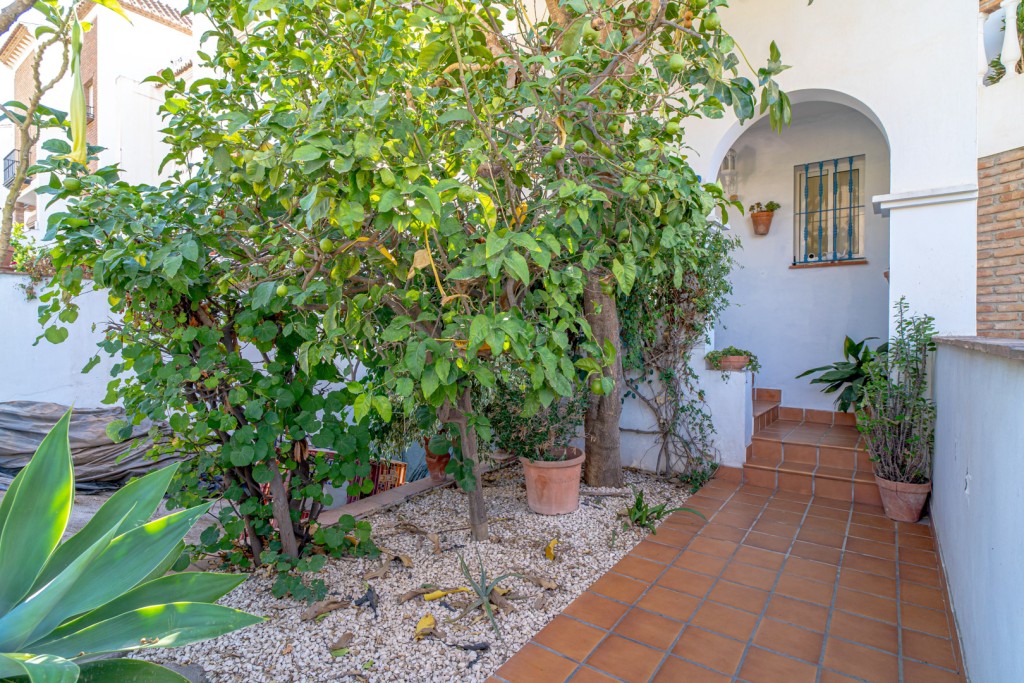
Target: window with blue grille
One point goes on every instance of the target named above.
(828, 216)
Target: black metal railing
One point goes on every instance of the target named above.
(10, 166)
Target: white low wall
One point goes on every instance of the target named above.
(978, 499)
(48, 372)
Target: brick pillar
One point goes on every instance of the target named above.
(1001, 245)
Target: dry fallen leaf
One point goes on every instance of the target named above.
(438, 594)
(287, 650)
(425, 627)
(549, 549)
(323, 607)
(414, 593)
(343, 641)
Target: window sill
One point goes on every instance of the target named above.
(829, 264)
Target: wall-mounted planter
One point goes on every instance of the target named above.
(731, 363)
(762, 221)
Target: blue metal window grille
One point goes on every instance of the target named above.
(829, 211)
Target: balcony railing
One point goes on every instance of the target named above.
(1007, 62)
(10, 166)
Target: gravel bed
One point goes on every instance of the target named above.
(383, 648)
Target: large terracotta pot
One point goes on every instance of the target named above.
(903, 502)
(733, 363)
(436, 462)
(762, 221)
(553, 486)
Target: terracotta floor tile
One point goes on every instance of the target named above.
(866, 605)
(723, 532)
(761, 666)
(818, 553)
(922, 558)
(789, 507)
(638, 568)
(821, 509)
(597, 610)
(672, 537)
(809, 569)
(922, 575)
(686, 581)
(919, 594)
(873, 533)
(585, 675)
(804, 614)
(836, 526)
(873, 520)
(700, 563)
(772, 514)
(830, 539)
(921, 528)
(755, 499)
(534, 663)
(867, 583)
(917, 542)
(871, 565)
(625, 659)
(749, 575)
(929, 649)
(735, 519)
(776, 544)
(864, 631)
(725, 620)
(783, 529)
(925, 620)
(650, 629)
(922, 673)
(713, 546)
(618, 587)
(569, 637)
(830, 677)
(801, 588)
(759, 557)
(861, 662)
(741, 597)
(655, 552)
(874, 549)
(675, 670)
(789, 640)
(710, 649)
(672, 604)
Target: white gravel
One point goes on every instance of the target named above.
(285, 649)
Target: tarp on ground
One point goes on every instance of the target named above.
(98, 460)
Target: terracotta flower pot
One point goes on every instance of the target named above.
(733, 363)
(553, 486)
(762, 221)
(436, 462)
(903, 502)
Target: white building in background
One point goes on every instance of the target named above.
(116, 57)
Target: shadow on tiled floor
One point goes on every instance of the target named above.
(774, 587)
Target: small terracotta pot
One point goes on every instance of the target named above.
(553, 486)
(903, 502)
(762, 221)
(436, 462)
(732, 363)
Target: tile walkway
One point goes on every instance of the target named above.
(774, 587)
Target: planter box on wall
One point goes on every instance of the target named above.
(762, 221)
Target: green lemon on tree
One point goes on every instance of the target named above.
(253, 230)
(217, 219)
(547, 159)
(712, 22)
(597, 388)
(231, 62)
(299, 257)
(676, 63)
(643, 189)
(606, 150)
(282, 290)
(624, 235)
(72, 184)
(558, 153)
(608, 288)
(672, 127)
(590, 34)
(698, 5)
(352, 17)
(580, 146)
(327, 245)
(236, 177)
(466, 194)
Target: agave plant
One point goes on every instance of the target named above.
(848, 374)
(104, 589)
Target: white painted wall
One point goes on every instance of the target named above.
(49, 372)
(977, 499)
(796, 319)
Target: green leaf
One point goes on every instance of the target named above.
(307, 153)
(113, 6)
(133, 670)
(625, 273)
(517, 266)
(478, 329)
(55, 335)
(34, 518)
(383, 407)
(170, 625)
(361, 407)
(572, 36)
(430, 57)
(454, 115)
(38, 668)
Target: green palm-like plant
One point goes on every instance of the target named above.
(104, 589)
(848, 374)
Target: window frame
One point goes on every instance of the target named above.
(802, 174)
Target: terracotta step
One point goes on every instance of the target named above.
(767, 403)
(824, 457)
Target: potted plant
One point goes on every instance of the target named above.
(732, 359)
(761, 215)
(435, 445)
(848, 374)
(541, 442)
(897, 417)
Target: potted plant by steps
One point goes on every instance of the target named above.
(848, 374)
(541, 443)
(761, 215)
(435, 444)
(897, 417)
(732, 359)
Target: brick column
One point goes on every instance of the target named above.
(1001, 245)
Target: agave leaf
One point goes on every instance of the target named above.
(38, 668)
(36, 615)
(168, 625)
(128, 560)
(166, 563)
(134, 670)
(185, 587)
(35, 517)
(131, 506)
